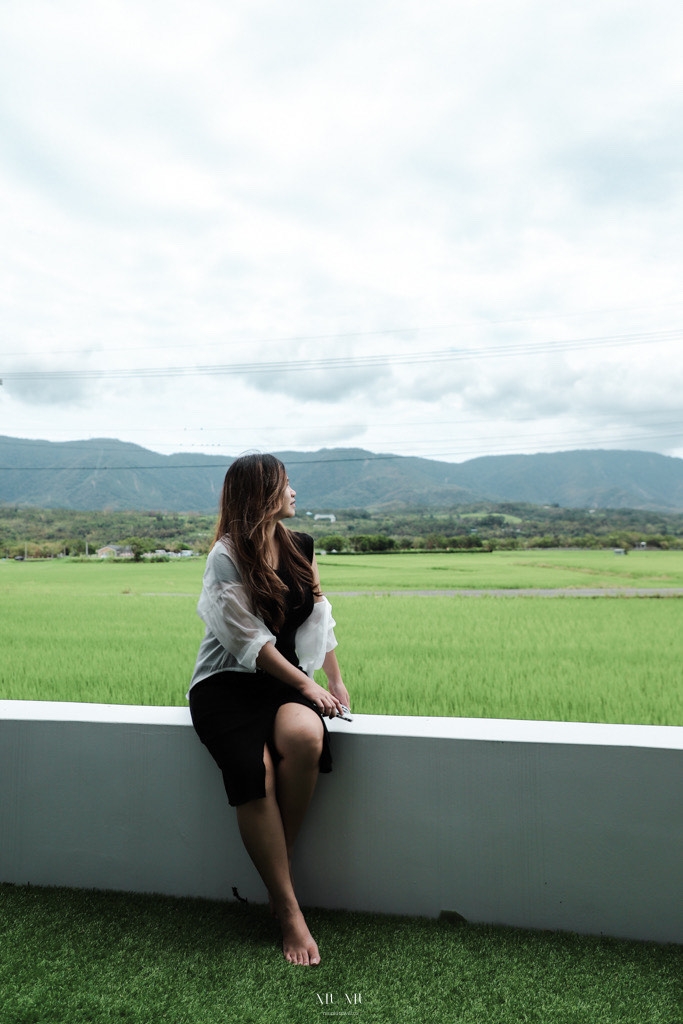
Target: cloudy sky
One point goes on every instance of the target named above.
(423, 227)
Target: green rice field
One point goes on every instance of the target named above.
(128, 633)
(409, 571)
(502, 569)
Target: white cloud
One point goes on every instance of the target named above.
(220, 184)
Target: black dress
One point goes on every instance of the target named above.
(234, 712)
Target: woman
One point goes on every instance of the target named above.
(253, 700)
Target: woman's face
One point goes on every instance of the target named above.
(288, 507)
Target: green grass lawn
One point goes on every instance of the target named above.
(83, 957)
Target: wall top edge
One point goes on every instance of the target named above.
(483, 729)
(74, 711)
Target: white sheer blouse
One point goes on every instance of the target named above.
(234, 635)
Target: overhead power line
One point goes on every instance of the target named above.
(414, 329)
(350, 362)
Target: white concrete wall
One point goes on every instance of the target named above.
(537, 824)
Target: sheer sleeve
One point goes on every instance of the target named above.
(224, 608)
(315, 637)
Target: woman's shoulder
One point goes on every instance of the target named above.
(222, 561)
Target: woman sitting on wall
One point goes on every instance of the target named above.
(253, 700)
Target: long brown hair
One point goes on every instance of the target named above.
(252, 495)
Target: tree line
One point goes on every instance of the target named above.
(45, 533)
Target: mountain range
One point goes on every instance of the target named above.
(103, 473)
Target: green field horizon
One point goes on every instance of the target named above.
(125, 633)
(536, 568)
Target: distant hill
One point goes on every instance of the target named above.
(105, 473)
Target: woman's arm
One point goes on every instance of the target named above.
(330, 664)
(334, 679)
(271, 661)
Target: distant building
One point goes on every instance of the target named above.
(114, 551)
(321, 515)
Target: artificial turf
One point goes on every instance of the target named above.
(76, 956)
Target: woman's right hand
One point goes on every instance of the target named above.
(270, 660)
(325, 702)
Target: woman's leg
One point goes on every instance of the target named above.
(262, 830)
(298, 738)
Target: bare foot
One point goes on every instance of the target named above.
(298, 945)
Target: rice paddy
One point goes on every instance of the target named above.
(128, 634)
(502, 569)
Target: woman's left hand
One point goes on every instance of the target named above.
(334, 679)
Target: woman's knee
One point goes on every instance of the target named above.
(298, 732)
